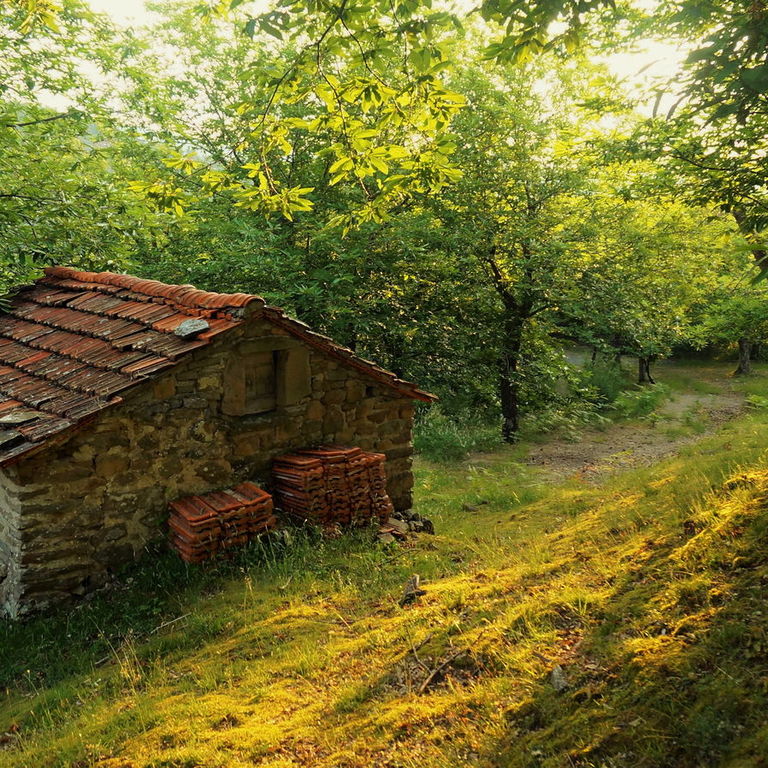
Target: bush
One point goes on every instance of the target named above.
(607, 378)
(440, 437)
(756, 401)
(568, 419)
(639, 402)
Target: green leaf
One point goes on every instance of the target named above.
(269, 28)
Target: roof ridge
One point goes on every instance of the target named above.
(181, 295)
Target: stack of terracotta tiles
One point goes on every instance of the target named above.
(332, 485)
(202, 526)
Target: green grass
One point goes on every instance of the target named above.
(439, 437)
(755, 384)
(686, 377)
(690, 423)
(648, 591)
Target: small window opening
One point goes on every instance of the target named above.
(263, 381)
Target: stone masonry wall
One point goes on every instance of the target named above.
(10, 548)
(93, 502)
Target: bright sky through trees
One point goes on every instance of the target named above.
(651, 60)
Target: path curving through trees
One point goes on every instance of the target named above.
(704, 397)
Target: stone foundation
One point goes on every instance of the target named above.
(74, 512)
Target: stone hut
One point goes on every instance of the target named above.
(118, 395)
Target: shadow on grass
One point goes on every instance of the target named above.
(674, 670)
(41, 650)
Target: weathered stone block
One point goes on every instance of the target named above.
(164, 388)
(294, 377)
(334, 397)
(110, 465)
(333, 421)
(215, 471)
(315, 411)
(355, 390)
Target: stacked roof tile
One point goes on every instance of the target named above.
(73, 341)
(201, 527)
(332, 485)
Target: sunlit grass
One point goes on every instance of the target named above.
(647, 591)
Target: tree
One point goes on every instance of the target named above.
(64, 162)
(524, 176)
(737, 318)
(720, 113)
(364, 78)
(654, 260)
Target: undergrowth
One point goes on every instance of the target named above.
(607, 378)
(440, 437)
(602, 395)
(640, 401)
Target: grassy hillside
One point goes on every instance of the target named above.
(616, 624)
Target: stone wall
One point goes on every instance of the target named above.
(10, 547)
(93, 502)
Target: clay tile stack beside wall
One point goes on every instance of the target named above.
(332, 485)
(203, 526)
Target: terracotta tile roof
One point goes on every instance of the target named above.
(71, 342)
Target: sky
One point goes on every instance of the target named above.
(652, 59)
(124, 11)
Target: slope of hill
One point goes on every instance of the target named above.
(574, 624)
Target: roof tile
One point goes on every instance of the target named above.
(71, 341)
(74, 339)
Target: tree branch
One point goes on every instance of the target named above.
(71, 113)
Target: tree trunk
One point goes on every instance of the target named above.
(509, 384)
(644, 371)
(745, 365)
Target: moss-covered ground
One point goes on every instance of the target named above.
(623, 623)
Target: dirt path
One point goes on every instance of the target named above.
(684, 418)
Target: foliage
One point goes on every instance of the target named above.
(567, 419)
(366, 82)
(641, 401)
(654, 261)
(726, 73)
(64, 170)
(734, 316)
(607, 377)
